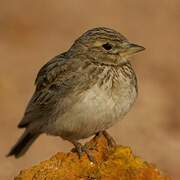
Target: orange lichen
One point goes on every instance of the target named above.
(116, 163)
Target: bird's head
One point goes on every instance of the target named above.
(106, 46)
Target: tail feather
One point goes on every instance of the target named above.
(23, 144)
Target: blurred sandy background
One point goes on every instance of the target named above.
(32, 32)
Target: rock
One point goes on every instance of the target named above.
(117, 163)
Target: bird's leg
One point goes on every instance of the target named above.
(80, 149)
(110, 140)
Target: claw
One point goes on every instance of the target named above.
(90, 156)
(80, 149)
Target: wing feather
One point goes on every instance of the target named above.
(51, 85)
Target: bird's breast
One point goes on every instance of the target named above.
(107, 103)
(97, 108)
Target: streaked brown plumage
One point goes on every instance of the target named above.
(83, 91)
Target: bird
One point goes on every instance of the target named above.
(82, 92)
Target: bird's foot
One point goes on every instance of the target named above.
(109, 138)
(79, 148)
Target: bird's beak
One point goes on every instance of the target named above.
(130, 49)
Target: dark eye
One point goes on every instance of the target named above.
(107, 46)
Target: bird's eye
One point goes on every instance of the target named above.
(107, 46)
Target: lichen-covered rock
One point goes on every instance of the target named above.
(116, 163)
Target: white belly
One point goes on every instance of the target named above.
(96, 110)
